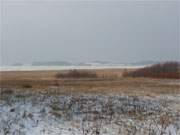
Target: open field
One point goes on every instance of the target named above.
(39, 102)
(108, 81)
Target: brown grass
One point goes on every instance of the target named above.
(167, 70)
(108, 81)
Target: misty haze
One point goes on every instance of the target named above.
(89, 31)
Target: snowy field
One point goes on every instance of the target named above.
(42, 114)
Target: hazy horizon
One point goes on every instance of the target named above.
(118, 31)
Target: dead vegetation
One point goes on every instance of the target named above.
(77, 74)
(167, 70)
(26, 86)
(89, 115)
(107, 81)
(87, 102)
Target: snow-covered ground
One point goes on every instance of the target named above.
(41, 114)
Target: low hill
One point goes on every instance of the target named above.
(169, 70)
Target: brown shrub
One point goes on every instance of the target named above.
(26, 86)
(77, 74)
(169, 70)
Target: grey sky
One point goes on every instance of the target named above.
(89, 31)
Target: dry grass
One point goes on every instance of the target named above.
(108, 81)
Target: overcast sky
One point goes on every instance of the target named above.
(89, 31)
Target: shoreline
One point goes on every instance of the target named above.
(49, 68)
